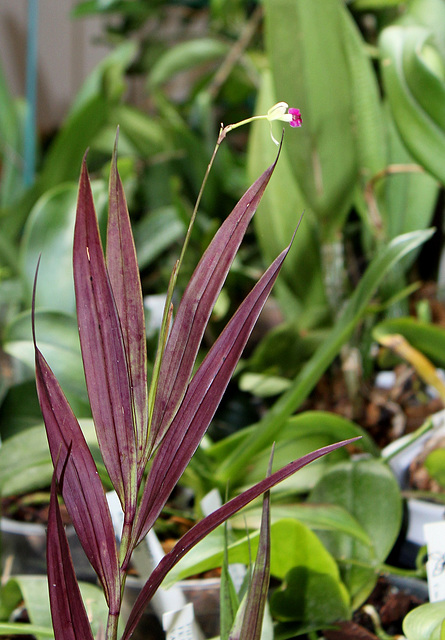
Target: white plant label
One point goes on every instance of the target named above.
(178, 625)
(435, 566)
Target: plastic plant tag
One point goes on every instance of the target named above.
(210, 503)
(435, 567)
(180, 625)
(146, 557)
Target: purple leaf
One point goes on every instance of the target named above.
(249, 625)
(208, 524)
(201, 401)
(103, 352)
(196, 306)
(70, 620)
(123, 272)
(81, 488)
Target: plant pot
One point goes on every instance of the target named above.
(202, 593)
(419, 511)
(23, 549)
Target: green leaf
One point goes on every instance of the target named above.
(185, 56)
(156, 232)
(408, 198)
(429, 339)
(279, 212)
(435, 465)
(304, 433)
(413, 77)
(233, 466)
(307, 56)
(425, 622)
(324, 517)
(11, 134)
(358, 487)
(58, 336)
(49, 233)
(314, 599)
(33, 590)
(25, 461)
(292, 544)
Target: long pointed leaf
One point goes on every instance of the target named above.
(70, 620)
(103, 352)
(255, 603)
(266, 431)
(201, 401)
(196, 306)
(82, 489)
(208, 524)
(123, 271)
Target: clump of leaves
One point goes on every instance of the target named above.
(137, 426)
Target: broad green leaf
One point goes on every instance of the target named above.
(408, 197)
(279, 213)
(184, 56)
(358, 487)
(435, 465)
(312, 599)
(425, 622)
(57, 335)
(307, 56)
(429, 339)
(233, 466)
(321, 517)
(429, 14)
(413, 76)
(292, 544)
(368, 127)
(303, 433)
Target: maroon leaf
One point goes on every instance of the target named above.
(196, 306)
(82, 488)
(70, 620)
(123, 272)
(208, 524)
(250, 625)
(103, 352)
(201, 401)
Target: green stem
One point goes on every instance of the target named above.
(426, 426)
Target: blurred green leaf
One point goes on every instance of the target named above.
(425, 622)
(184, 56)
(313, 599)
(307, 57)
(11, 135)
(323, 517)
(25, 461)
(156, 232)
(49, 233)
(33, 591)
(279, 212)
(435, 465)
(358, 487)
(416, 90)
(58, 339)
(429, 339)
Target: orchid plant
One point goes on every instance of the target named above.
(146, 434)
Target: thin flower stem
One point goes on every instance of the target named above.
(166, 319)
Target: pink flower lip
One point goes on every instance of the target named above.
(297, 120)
